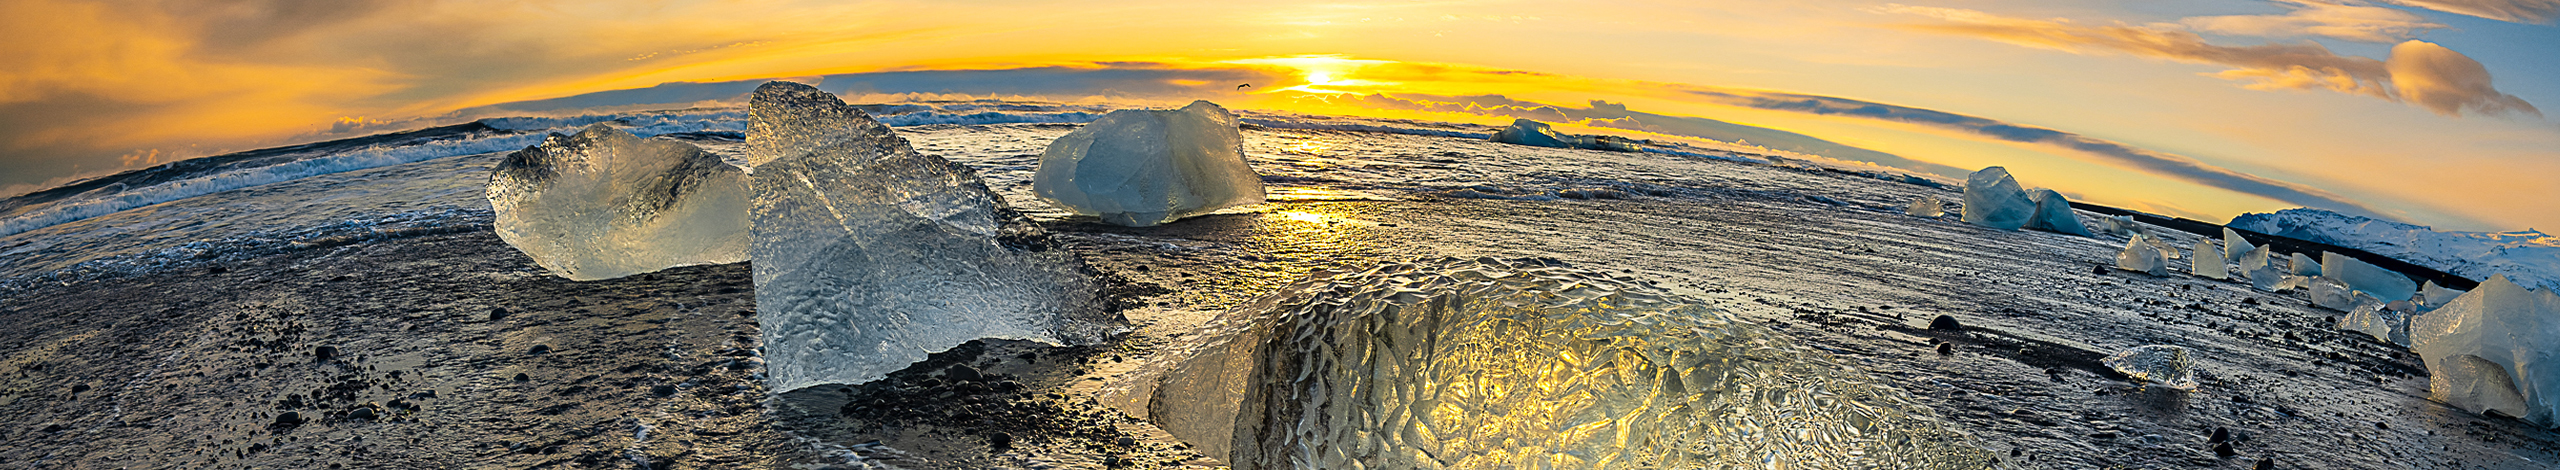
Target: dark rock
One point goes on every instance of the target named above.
(1945, 323)
(364, 413)
(496, 314)
(79, 388)
(2220, 435)
(2266, 464)
(2099, 270)
(963, 373)
(324, 353)
(288, 419)
(2381, 425)
(2224, 450)
(216, 270)
(1125, 442)
(998, 440)
(663, 390)
(541, 349)
(520, 377)
(51, 427)
(1946, 349)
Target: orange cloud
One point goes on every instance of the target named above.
(2361, 23)
(2517, 11)
(2452, 84)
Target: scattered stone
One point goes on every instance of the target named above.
(324, 353)
(51, 428)
(2223, 450)
(998, 440)
(963, 373)
(662, 390)
(2220, 435)
(2266, 464)
(520, 377)
(365, 413)
(496, 314)
(288, 419)
(541, 349)
(1945, 323)
(1946, 349)
(79, 388)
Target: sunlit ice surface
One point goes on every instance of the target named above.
(1522, 364)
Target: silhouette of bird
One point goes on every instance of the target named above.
(1244, 86)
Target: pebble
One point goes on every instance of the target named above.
(496, 314)
(999, 440)
(289, 419)
(520, 377)
(324, 353)
(1945, 323)
(963, 373)
(2220, 435)
(2224, 450)
(2266, 464)
(663, 390)
(52, 427)
(1946, 349)
(79, 388)
(541, 349)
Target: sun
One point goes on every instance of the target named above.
(1320, 78)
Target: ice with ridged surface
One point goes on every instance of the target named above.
(2209, 261)
(2301, 265)
(2364, 277)
(870, 255)
(1138, 168)
(2495, 348)
(2158, 364)
(2235, 245)
(2053, 214)
(1993, 199)
(604, 204)
(1927, 206)
(1468, 364)
(2140, 255)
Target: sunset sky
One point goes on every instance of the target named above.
(2428, 111)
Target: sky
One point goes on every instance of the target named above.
(2428, 111)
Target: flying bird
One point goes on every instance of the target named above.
(1244, 86)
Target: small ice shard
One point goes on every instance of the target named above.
(2301, 265)
(2330, 294)
(2432, 296)
(1491, 363)
(869, 255)
(1993, 199)
(2166, 250)
(2254, 266)
(2235, 244)
(2209, 261)
(2119, 225)
(1927, 206)
(2053, 214)
(2382, 283)
(1139, 168)
(2141, 256)
(2292, 282)
(604, 204)
(1534, 133)
(2158, 364)
(2494, 349)
(2378, 320)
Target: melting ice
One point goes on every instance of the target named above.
(604, 204)
(2493, 349)
(1138, 168)
(1492, 364)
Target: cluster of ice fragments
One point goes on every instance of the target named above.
(1501, 364)
(1993, 199)
(1534, 133)
(1928, 206)
(604, 204)
(2141, 254)
(2496, 348)
(867, 254)
(1139, 168)
(2158, 364)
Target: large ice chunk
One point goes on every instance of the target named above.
(2301, 265)
(2496, 348)
(870, 255)
(1492, 364)
(1993, 199)
(1927, 206)
(2158, 364)
(2433, 296)
(2385, 324)
(2141, 255)
(604, 204)
(1139, 168)
(1534, 133)
(2053, 214)
(2363, 277)
(2209, 261)
(2235, 245)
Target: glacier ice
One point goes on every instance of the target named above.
(2292, 282)
(2053, 214)
(2301, 265)
(2330, 294)
(2209, 261)
(2234, 244)
(869, 255)
(1927, 206)
(2382, 283)
(2385, 324)
(1993, 199)
(2141, 255)
(2159, 364)
(1138, 168)
(2531, 258)
(1492, 363)
(2494, 349)
(2118, 225)
(2432, 295)
(1534, 133)
(603, 204)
